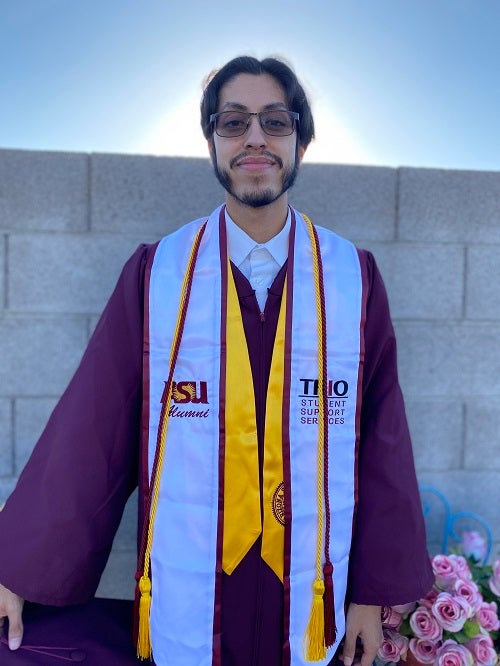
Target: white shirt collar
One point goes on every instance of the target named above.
(240, 244)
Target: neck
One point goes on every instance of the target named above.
(261, 224)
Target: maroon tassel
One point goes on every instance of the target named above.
(329, 606)
(137, 596)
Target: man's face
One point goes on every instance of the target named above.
(255, 168)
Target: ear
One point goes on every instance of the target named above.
(211, 150)
(301, 152)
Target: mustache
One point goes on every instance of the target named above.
(264, 153)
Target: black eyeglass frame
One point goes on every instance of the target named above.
(294, 115)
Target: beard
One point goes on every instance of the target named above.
(255, 196)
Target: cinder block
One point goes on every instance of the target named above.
(452, 360)
(150, 195)
(423, 281)
(454, 206)
(477, 491)
(30, 418)
(355, 201)
(118, 578)
(39, 356)
(482, 433)
(3, 253)
(436, 429)
(65, 273)
(92, 323)
(6, 448)
(7, 485)
(483, 280)
(43, 191)
(126, 536)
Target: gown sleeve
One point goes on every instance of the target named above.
(57, 527)
(389, 563)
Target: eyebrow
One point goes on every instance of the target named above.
(242, 107)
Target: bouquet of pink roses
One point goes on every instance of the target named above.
(457, 623)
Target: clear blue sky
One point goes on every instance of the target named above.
(392, 82)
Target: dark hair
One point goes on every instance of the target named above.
(295, 96)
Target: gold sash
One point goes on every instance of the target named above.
(243, 516)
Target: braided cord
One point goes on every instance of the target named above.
(154, 491)
(322, 388)
(318, 632)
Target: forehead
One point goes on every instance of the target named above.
(254, 92)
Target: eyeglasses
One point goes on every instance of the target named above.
(278, 122)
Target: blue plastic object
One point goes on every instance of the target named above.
(454, 524)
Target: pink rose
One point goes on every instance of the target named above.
(444, 571)
(423, 650)
(429, 598)
(391, 618)
(394, 646)
(494, 581)
(405, 609)
(447, 568)
(424, 624)
(453, 654)
(461, 566)
(469, 591)
(487, 616)
(474, 545)
(482, 650)
(451, 612)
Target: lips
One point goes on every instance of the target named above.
(255, 162)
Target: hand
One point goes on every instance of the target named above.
(11, 606)
(364, 622)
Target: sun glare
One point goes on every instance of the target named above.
(178, 133)
(335, 142)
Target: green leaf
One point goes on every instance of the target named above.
(460, 637)
(405, 629)
(488, 595)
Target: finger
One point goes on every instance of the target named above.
(15, 637)
(371, 646)
(16, 629)
(349, 650)
(369, 654)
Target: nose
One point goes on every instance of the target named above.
(255, 136)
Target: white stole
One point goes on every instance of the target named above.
(184, 553)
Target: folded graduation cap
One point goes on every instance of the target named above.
(98, 633)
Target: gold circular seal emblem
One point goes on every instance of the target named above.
(279, 504)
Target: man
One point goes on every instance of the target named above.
(275, 472)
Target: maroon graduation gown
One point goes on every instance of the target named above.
(57, 528)
(96, 633)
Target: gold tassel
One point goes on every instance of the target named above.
(315, 648)
(144, 637)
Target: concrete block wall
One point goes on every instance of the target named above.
(435, 235)
(69, 221)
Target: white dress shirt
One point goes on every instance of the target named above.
(259, 262)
